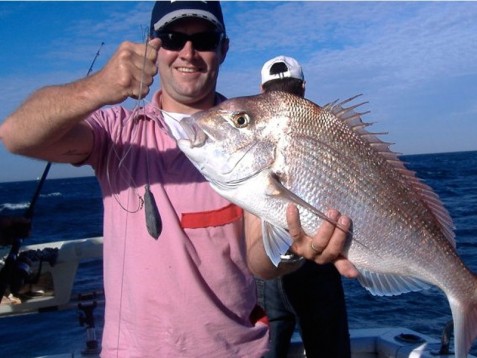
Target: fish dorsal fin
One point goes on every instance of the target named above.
(353, 119)
(275, 240)
(389, 284)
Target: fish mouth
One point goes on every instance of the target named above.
(196, 136)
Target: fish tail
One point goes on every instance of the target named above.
(465, 323)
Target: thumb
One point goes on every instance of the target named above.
(155, 43)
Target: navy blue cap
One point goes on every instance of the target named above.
(166, 12)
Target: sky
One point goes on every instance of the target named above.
(415, 63)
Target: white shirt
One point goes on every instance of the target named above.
(173, 120)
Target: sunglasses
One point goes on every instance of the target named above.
(202, 41)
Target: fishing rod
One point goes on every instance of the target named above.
(7, 271)
(94, 60)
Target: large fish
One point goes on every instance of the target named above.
(263, 152)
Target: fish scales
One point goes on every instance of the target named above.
(263, 152)
(338, 162)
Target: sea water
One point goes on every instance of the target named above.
(72, 209)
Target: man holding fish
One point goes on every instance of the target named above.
(187, 290)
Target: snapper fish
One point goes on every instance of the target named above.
(263, 152)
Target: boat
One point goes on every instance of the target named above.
(54, 266)
(385, 342)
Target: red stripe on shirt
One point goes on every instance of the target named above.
(218, 217)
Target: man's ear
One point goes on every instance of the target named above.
(224, 49)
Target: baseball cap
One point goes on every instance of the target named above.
(293, 69)
(166, 12)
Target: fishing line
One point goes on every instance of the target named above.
(152, 216)
(131, 136)
(147, 201)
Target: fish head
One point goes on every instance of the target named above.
(235, 140)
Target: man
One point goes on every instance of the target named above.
(186, 290)
(311, 296)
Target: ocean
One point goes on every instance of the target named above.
(71, 209)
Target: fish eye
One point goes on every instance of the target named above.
(241, 120)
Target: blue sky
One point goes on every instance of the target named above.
(415, 62)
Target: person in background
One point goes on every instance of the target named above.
(311, 297)
(12, 228)
(178, 258)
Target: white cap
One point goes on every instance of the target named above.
(294, 69)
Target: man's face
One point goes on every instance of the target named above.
(187, 75)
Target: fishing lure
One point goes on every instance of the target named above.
(153, 218)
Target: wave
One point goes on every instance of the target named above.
(14, 206)
(26, 204)
(49, 195)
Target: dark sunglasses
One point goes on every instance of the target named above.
(202, 41)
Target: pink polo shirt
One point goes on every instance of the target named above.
(189, 293)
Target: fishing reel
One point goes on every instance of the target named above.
(18, 270)
(22, 274)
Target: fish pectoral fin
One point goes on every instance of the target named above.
(276, 241)
(276, 188)
(380, 284)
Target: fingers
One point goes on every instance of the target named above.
(328, 243)
(129, 73)
(144, 60)
(345, 267)
(155, 43)
(326, 236)
(294, 228)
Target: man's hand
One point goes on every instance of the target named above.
(327, 245)
(129, 73)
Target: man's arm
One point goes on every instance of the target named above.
(50, 124)
(329, 241)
